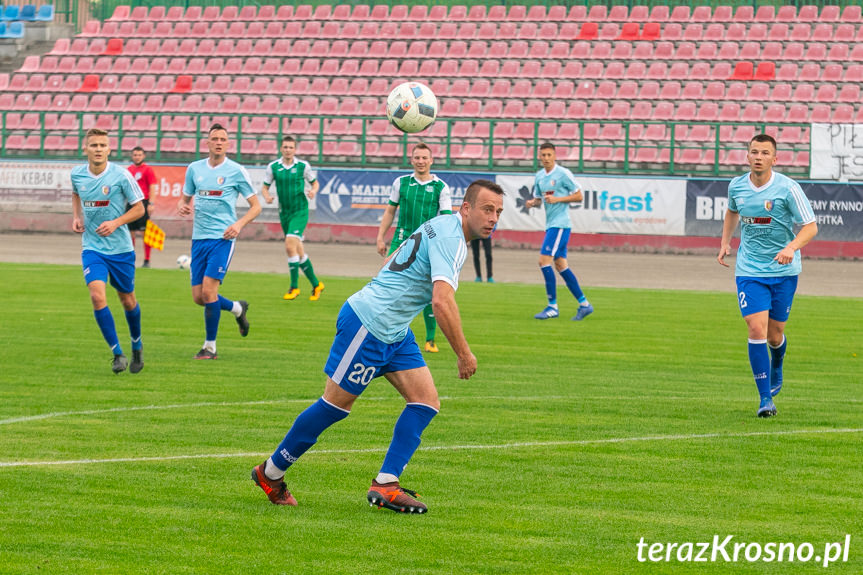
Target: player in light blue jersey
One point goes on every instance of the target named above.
(100, 192)
(557, 188)
(216, 183)
(769, 205)
(373, 339)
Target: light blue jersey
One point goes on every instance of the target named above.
(216, 191)
(103, 198)
(436, 251)
(559, 182)
(767, 215)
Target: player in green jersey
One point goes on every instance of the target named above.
(419, 197)
(290, 176)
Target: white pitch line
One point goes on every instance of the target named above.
(515, 445)
(57, 414)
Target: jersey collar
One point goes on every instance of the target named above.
(105, 171)
(288, 166)
(755, 188)
(430, 180)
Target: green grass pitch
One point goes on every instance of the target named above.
(571, 442)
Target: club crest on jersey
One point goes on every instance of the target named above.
(220, 180)
(768, 205)
(106, 190)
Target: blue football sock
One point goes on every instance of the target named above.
(550, 284)
(225, 303)
(572, 284)
(406, 437)
(109, 330)
(133, 318)
(212, 313)
(777, 354)
(759, 359)
(305, 431)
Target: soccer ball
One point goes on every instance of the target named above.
(183, 262)
(411, 107)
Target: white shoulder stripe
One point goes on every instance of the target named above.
(803, 205)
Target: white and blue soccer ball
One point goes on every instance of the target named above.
(412, 107)
(183, 262)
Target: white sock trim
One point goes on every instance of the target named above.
(757, 340)
(237, 310)
(293, 259)
(211, 345)
(334, 405)
(781, 343)
(305, 259)
(424, 405)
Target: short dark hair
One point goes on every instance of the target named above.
(215, 127)
(421, 146)
(763, 138)
(138, 149)
(95, 132)
(288, 139)
(473, 190)
(546, 146)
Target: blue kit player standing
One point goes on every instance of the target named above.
(100, 192)
(556, 186)
(373, 339)
(216, 183)
(769, 205)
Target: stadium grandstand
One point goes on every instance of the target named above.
(622, 88)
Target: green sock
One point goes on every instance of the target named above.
(431, 322)
(295, 274)
(310, 272)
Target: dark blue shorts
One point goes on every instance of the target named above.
(357, 357)
(762, 294)
(120, 268)
(210, 258)
(555, 242)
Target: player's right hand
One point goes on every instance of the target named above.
(269, 199)
(382, 247)
(183, 208)
(723, 251)
(466, 366)
(77, 226)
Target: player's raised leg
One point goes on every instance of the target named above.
(332, 407)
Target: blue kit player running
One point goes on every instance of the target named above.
(216, 183)
(769, 205)
(100, 192)
(557, 188)
(373, 339)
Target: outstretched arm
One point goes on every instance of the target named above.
(448, 318)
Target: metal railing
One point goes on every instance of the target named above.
(460, 143)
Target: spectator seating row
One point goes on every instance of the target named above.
(618, 110)
(11, 30)
(566, 31)
(637, 70)
(27, 12)
(438, 49)
(480, 88)
(480, 13)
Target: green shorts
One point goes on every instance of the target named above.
(294, 223)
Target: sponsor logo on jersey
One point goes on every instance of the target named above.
(758, 221)
(97, 204)
(106, 190)
(768, 205)
(138, 175)
(209, 192)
